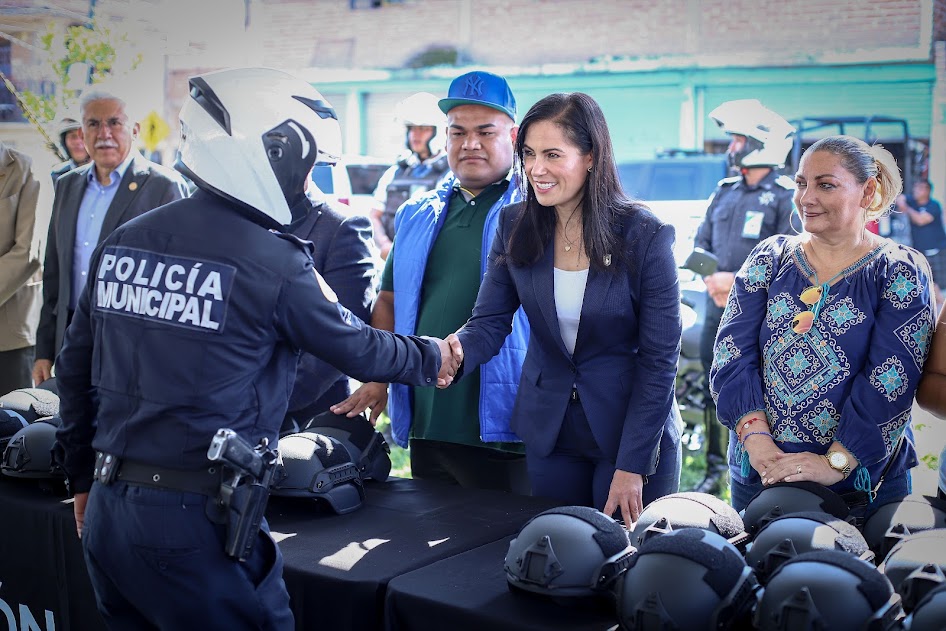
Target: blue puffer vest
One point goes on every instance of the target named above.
(417, 224)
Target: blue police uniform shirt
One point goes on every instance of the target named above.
(193, 321)
(739, 216)
(95, 203)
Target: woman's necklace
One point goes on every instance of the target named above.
(569, 244)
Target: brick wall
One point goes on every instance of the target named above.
(529, 32)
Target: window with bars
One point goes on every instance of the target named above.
(9, 111)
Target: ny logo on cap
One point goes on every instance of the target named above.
(474, 86)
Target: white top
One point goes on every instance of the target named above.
(569, 289)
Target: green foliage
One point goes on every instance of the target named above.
(400, 457)
(930, 460)
(96, 47)
(434, 56)
(694, 463)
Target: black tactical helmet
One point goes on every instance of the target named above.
(790, 535)
(687, 510)
(29, 452)
(784, 498)
(10, 423)
(368, 449)
(31, 403)
(930, 613)
(687, 579)
(318, 467)
(567, 551)
(827, 590)
(916, 565)
(900, 518)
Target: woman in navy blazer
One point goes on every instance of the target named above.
(595, 274)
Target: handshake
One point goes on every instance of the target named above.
(451, 357)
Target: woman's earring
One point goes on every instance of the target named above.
(589, 169)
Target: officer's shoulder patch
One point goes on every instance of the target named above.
(729, 181)
(785, 182)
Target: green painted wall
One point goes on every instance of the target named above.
(655, 109)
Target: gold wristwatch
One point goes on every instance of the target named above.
(839, 461)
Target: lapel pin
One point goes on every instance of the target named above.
(133, 186)
(607, 260)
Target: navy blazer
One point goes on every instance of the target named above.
(626, 352)
(144, 186)
(346, 258)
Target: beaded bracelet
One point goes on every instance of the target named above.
(746, 437)
(750, 422)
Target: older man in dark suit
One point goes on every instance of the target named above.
(90, 202)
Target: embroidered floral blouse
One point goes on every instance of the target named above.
(851, 377)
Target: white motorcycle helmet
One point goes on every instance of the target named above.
(422, 110)
(768, 135)
(252, 135)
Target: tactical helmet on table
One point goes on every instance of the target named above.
(686, 579)
(827, 589)
(686, 510)
(785, 498)
(252, 135)
(31, 403)
(318, 467)
(10, 423)
(50, 385)
(367, 447)
(790, 535)
(29, 452)
(567, 551)
(930, 613)
(916, 565)
(897, 519)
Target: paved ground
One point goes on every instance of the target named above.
(930, 433)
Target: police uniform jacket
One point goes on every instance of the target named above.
(192, 322)
(740, 216)
(345, 257)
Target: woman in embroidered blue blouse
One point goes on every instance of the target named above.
(824, 336)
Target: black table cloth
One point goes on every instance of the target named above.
(469, 592)
(337, 566)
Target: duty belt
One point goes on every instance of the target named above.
(205, 481)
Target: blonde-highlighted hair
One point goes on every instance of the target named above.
(865, 161)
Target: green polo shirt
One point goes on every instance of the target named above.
(451, 282)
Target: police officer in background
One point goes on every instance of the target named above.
(418, 170)
(70, 139)
(192, 322)
(744, 210)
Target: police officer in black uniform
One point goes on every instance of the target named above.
(744, 210)
(193, 322)
(417, 170)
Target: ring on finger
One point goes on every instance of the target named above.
(798, 470)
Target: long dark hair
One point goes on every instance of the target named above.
(604, 202)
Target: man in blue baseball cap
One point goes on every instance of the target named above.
(460, 435)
